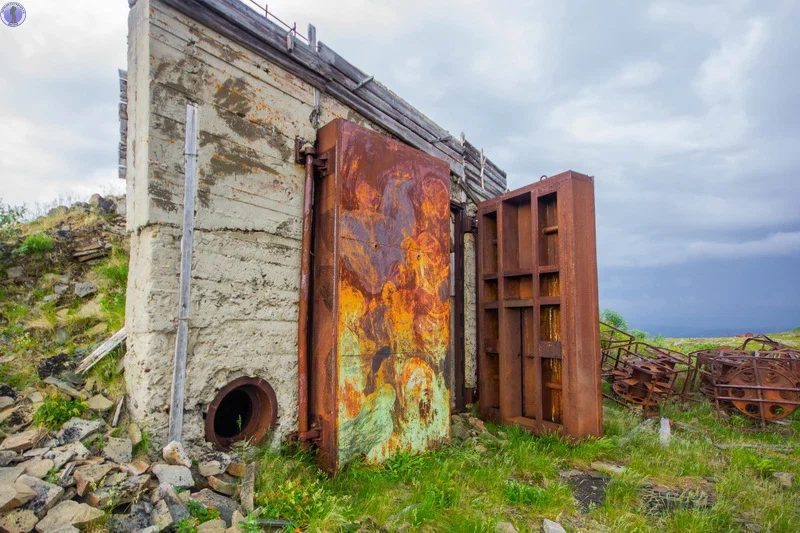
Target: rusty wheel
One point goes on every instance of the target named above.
(643, 383)
(775, 390)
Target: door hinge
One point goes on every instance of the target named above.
(470, 224)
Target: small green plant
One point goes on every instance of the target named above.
(239, 423)
(187, 524)
(56, 410)
(144, 445)
(201, 513)
(35, 244)
(10, 217)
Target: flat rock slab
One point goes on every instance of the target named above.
(13, 495)
(47, 495)
(18, 521)
(118, 450)
(10, 474)
(174, 454)
(223, 504)
(68, 513)
(21, 441)
(177, 476)
(38, 467)
(8, 457)
(589, 488)
(127, 492)
(89, 475)
(607, 468)
(213, 463)
(78, 429)
(664, 500)
(548, 526)
(63, 454)
(99, 403)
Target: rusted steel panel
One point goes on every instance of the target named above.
(539, 339)
(382, 269)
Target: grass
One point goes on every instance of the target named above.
(515, 477)
(35, 244)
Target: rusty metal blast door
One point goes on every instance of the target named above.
(539, 335)
(381, 310)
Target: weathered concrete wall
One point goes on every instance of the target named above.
(248, 222)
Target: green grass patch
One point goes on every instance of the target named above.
(35, 244)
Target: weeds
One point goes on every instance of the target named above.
(35, 244)
(56, 410)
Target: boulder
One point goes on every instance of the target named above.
(47, 495)
(127, 492)
(213, 463)
(548, 526)
(18, 521)
(169, 509)
(177, 476)
(174, 454)
(118, 450)
(785, 479)
(78, 429)
(85, 288)
(21, 441)
(13, 495)
(69, 513)
(99, 403)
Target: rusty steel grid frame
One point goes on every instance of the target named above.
(538, 333)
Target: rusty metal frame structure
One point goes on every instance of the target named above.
(538, 334)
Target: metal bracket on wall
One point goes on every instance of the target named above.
(470, 224)
(323, 162)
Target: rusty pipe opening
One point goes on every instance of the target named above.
(244, 409)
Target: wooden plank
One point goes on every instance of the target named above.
(101, 351)
(181, 341)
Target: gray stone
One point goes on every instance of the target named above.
(136, 520)
(7, 457)
(64, 454)
(213, 463)
(607, 468)
(60, 289)
(134, 433)
(15, 272)
(169, 508)
(785, 479)
(13, 495)
(64, 387)
(10, 474)
(6, 401)
(118, 450)
(78, 429)
(223, 504)
(85, 288)
(161, 518)
(47, 494)
(174, 454)
(36, 452)
(21, 441)
(212, 526)
(127, 492)
(548, 526)
(18, 521)
(99, 403)
(88, 477)
(69, 513)
(223, 483)
(136, 467)
(177, 476)
(505, 527)
(38, 467)
(237, 468)
(248, 488)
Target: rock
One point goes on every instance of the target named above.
(212, 526)
(151, 529)
(248, 488)
(169, 509)
(223, 504)
(134, 433)
(174, 454)
(47, 494)
(89, 476)
(505, 527)
(18, 417)
(136, 467)
(18, 521)
(64, 387)
(21, 441)
(785, 479)
(115, 479)
(15, 272)
(118, 450)
(54, 366)
(60, 289)
(10, 474)
(63, 454)
(237, 468)
(6, 401)
(99, 403)
(68, 513)
(38, 467)
(223, 483)
(177, 476)
(13, 495)
(78, 429)
(161, 518)
(548, 526)
(136, 520)
(236, 519)
(213, 463)
(85, 288)
(127, 492)
(96, 330)
(607, 468)
(35, 452)
(7, 457)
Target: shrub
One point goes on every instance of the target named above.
(612, 318)
(10, 217)
(35, 244)
(56, 410)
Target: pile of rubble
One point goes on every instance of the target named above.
(85, 475)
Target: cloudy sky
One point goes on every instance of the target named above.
(686, 113)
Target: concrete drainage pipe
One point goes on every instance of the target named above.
(244, 409)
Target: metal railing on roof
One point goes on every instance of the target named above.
(264, 10)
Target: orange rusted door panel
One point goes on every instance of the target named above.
(381, 318)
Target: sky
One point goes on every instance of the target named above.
(686, 114)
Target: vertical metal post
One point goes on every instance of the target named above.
(304, 308)
(181, 340)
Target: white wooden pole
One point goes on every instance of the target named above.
(181, 339)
